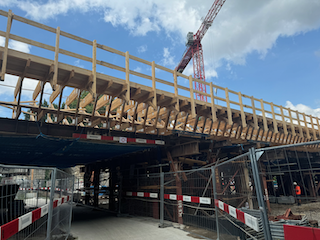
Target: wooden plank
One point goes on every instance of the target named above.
(265, 123)
(127, 74)
(93, 86)
(284, 123)
(6, 45)
(291, 123)
(54, 80)
(230, 122)
(21, 77)
(36, 91)
(255, 119)
(154, 88)
(213, 106)
(275, 126)
(312, 126)
(176, 94)
(243, 116)
(60, 88)
(299, 124)
(193, 106)
(73, 95)
(306, 125)
(86, 100)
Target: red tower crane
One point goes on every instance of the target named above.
(194, 48)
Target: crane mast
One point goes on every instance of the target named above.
(194, 49)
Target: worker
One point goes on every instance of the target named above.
(297, 190)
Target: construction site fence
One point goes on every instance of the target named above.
(199, 198)
(36, 203)
(234, 198)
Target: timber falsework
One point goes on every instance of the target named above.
(135, 107)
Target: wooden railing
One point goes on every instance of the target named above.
(288, 120)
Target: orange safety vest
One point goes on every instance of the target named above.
(298, 190)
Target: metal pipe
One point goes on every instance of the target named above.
(161, 199)
(213, 172)
(262, 207)
(50, 212)
(288, 146)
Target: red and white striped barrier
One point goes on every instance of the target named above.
(193, 199)
(247, 219)
(118, 139)
(11, 228)
(142, 194)
(204, 200)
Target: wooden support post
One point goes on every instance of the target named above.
(284, 124)
(317, 119)
(175, 84)
(154, 88)
(213, 106)
(255, 120)
(243, 116)
(54, 80)
(156, 119)
(6, 45)
(293, 130)
(275, 125)
(128, 75)
(313, 129)
(185, 121)
(265, 123)
(77, 108)
(230, 122)
(196, 124)
(40, 113)
(306, 125)
(299, 124)
(93, 85)
(193, 106)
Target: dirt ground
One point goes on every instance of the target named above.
(311, 210)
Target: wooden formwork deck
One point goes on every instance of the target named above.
(136, 107)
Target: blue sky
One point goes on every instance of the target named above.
(268, 49)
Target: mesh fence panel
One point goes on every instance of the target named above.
(25, 202)
(141, 195)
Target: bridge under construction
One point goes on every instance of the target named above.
(146, 124)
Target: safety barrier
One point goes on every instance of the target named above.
(35, 202)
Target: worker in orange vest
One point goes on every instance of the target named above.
(297, 190)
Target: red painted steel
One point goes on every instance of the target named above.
(297, 233)
(195, 49)
(36, 214)
(9, 229)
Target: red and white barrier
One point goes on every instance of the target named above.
(142, 194)
(246, 218)
(204, 200)
(193, 199)
(11, 228)
(118, 139)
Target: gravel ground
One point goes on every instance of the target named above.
(311, 210)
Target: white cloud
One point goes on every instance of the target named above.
(241, 27)
(137, 69)
(142, 48)
(77, 63)
(303, 109)
(19, 46)
(167, 59)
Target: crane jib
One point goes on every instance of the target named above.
(205, 25)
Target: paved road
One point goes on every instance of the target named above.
(96, 225)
